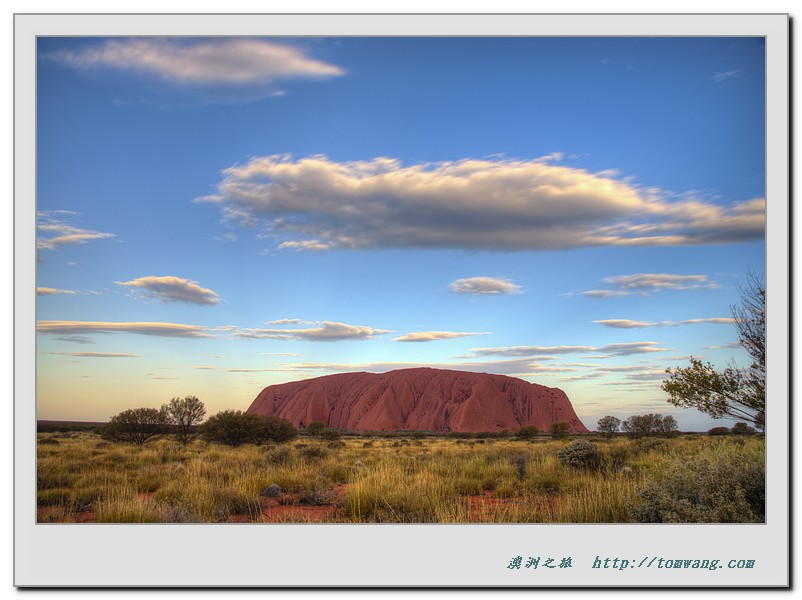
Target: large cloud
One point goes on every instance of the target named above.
(496, 204)
(172, 289)
(484, 286)
(328, 331)
(143, 328)
(231, 68)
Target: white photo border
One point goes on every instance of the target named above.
(334, 555)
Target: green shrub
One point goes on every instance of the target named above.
(233, 427)
(278, 456)
(720, 485)
(312, 452)
(560, 429)
(527, 433)
(277, 430)
(719, 431)
(137, 425)
(742, 429)
(580, 454)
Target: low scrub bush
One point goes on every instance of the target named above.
(580, 454)
(720, 485)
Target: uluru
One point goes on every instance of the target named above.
(418, 399)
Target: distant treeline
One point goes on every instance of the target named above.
(61, 426)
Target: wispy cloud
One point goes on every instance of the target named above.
(222, 69)
(171, 289)
(309, 245)
(328, 331)
(431, 336)
(142, 328)
(48, 291)
(645, 284)
(97, 354)
(726, 75)
(606, 351)
(536, 204)
(55, 232)
(630, 324)
(482, 286)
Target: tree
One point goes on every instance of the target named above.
(137, 425)
(733, 392)
(608, 425)
(185, 414)
(234, 427)
(276, 429)
(560, 429)
(667, 425)
(527, 433)
(651, 424)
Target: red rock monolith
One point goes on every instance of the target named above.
(418, 399)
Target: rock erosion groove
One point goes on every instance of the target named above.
(418, 399)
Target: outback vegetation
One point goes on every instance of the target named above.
(399, 477)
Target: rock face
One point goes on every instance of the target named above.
(418, 399)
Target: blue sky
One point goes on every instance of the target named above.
(217, 215)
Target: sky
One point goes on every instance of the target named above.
(215, 215)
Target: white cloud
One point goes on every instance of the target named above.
(308, 245)
(328, 331)
(607, 351)
(624, 323)
(644, 284)
(172, 289)
(630, 324)
(227, 238)
(48, 291)
(484, 286)
(497, 204)
(143, 328)
(222, 69)
(60, 233)
(725, 75)
(431, 336)
(97, 354)
(655, 281)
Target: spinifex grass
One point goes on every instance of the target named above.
(398, 480)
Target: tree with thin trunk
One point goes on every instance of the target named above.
(185, 414)
(136, 425)
(608, 425)
(733, 392)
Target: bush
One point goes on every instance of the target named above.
(560, 429)
(233, 427)
(652, 424)
(276, 429)
(315, 428)
(527, 433)
(580, 454)
(137, 425)
(278, 456)
(719, 431)
(742, 429)
(721, 485)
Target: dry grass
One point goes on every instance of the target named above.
(430, 480)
